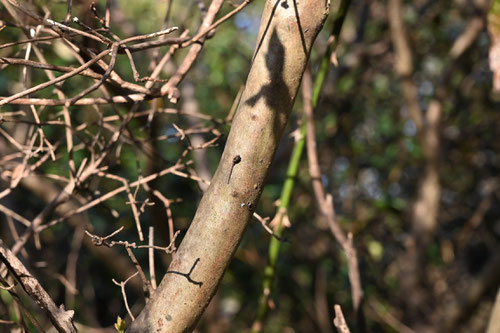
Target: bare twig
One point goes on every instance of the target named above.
(146, 285)
(103, 241)
(200, 35)
(109, 195)
(339, 320)
(63, 77)
(124, 293)
(170, 88)
(151, 257)
(35, 64)
(325, 201)
(263, 222)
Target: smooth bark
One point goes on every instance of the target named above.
(287, 32)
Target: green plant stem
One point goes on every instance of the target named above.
(292, 171)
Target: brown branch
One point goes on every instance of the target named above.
(156, 43)
(203, 33)
(404, 61)
(103, 241)
(97, 84)
(5, 100)
(170, 88)
(35, 64)
(109, 195)
(51, 23)
(124, 293)
(339, 320)
(131, 202)
(146, 285)
(426, 204)
(84, 173)
(21, 310)
(263, 222)
(151, 258)
(62, 319)
(132, 98)
(325, 203)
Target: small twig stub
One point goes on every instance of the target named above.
(236, 160)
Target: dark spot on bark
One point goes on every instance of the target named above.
(284, 4)
(250, 206)
(253, 117)
(160, 325)
(168, 317)
(234, 194)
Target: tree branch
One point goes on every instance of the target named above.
(62, 319)
(284, 42)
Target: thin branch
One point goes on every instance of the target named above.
(124, 293)
(151, 257)
(170, 88)
(5, 100)
(325, 202)
(200, 35)
(146, 285)
(339, 320)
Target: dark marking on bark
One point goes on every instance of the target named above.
(188, 274)
(236, 160)
(160, 324)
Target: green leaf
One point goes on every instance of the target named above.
(120, 325)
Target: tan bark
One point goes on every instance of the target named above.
(287, 32)
(494, 323)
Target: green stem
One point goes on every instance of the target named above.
(293, 168)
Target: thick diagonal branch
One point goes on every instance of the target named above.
(286, 35)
